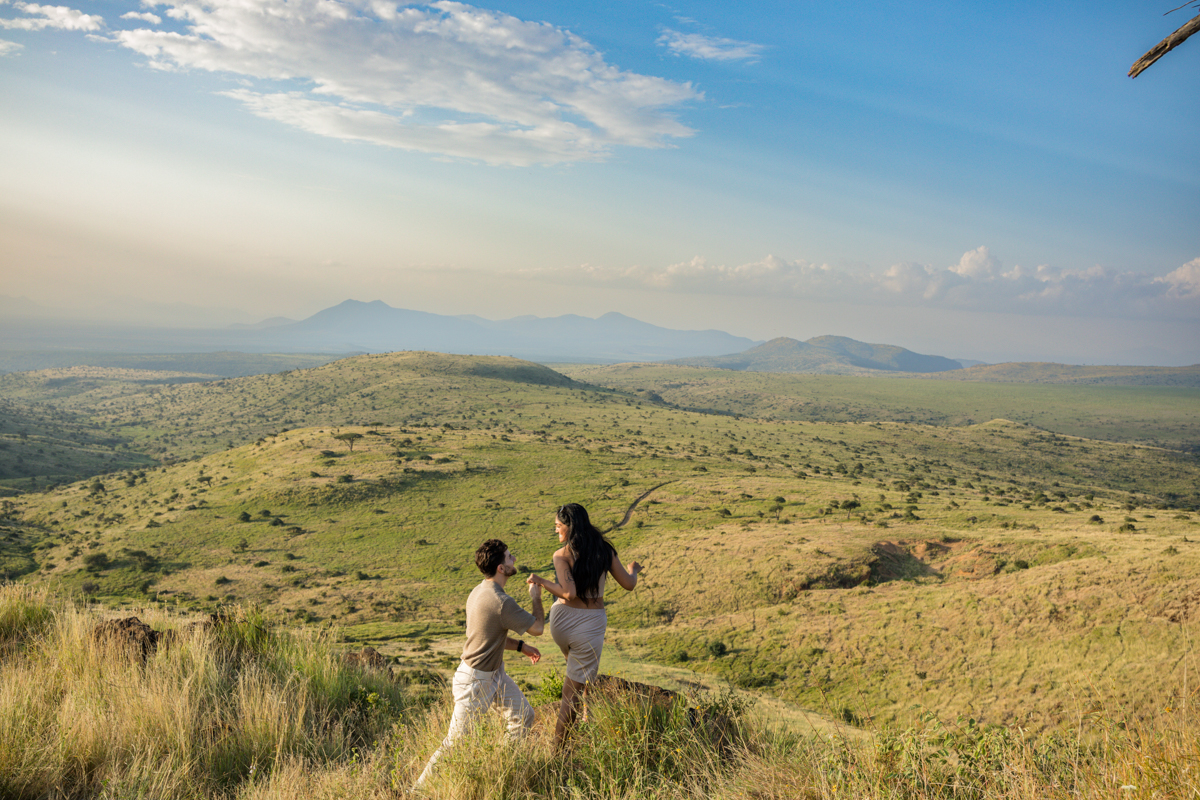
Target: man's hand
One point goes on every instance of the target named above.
(535, 588)
(534, 654)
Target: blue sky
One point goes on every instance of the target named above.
(968, 179)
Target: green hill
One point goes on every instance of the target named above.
(871, 569)
(238, 705)
(829, 355)
(1159, 416)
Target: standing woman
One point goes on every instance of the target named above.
(578, 619)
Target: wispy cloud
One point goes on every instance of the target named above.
(709, 48)
(8, 48)
(59, 17)
(144, 16)
(977, 282)
(445, 78)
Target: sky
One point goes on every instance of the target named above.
(968, 179)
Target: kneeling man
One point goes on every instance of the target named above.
(480, 681)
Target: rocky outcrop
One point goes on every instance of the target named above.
(130, 635)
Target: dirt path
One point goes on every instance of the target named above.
(633, 505)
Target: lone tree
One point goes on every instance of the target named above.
(1166, 45)
(349, 438)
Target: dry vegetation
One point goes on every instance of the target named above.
(894, 578)
(243, 709)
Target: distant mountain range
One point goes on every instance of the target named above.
(354, 326)
(375, 327)
(830, 355)
(34, 337)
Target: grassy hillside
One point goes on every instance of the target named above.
(828, 355)
(1075, 374)
(127, 417)
(220, 364)
(862, 570)
(1161, 416)
(240, 706)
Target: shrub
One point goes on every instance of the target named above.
(716, 649)
(551, 688)
(95, 562)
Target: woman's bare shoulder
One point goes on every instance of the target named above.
(561, 553)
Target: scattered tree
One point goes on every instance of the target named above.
(348, 438)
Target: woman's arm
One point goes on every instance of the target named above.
(564, 589)
(627, 578)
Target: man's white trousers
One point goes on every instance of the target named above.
(475, 691)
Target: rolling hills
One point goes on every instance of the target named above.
(866, 569)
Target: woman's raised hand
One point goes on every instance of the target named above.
(535, 586)
(634, 568)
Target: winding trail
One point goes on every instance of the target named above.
(629, 511)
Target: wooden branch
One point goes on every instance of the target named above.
(1165, 46)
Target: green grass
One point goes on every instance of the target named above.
(1164, 416)
(252, 709)
(877, 569)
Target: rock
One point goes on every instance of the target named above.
(130, 634)
(368, 660)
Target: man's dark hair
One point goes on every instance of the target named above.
(490, 556)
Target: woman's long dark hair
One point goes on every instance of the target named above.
(591, 553)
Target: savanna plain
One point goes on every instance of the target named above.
(855, 587)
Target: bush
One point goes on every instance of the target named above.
(717, 649)
(551, 688)
(95, 562)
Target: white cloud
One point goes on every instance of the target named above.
(1185, 281)
(709, 48)
(446, 77)
(144, 16)
(975, 283)
(977, 263)
(8, 48)
(59, 17)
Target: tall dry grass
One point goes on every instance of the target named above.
(215, 708)
(248, 712)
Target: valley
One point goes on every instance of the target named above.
(862, 567)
